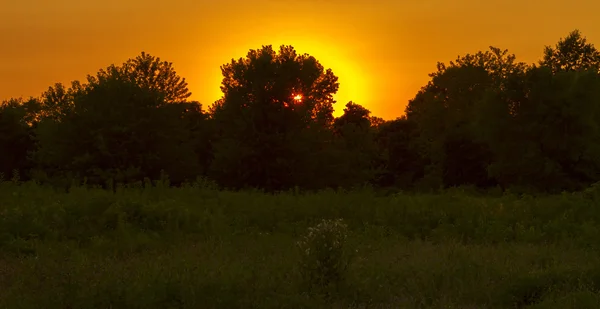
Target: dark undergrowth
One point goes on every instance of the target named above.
(196, 247)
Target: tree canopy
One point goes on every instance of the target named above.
(484, 120)
(274, 105)
(119, 126)
(571, 53)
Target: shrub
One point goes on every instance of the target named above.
(324, 259)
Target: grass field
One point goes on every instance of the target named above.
(196, 247)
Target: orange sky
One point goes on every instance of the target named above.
(382, 50)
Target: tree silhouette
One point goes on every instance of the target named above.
(545, 131)
(57, 101)
(274, 107)
(151, 73)
(571, 53)
(354, 114)
(358, 156)
(482, 119)
(116, 130)
(16, 136)
(444, 111)
(401, 163)
(542, 125)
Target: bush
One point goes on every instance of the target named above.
(324, 258)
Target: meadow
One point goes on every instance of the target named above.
(155, 246)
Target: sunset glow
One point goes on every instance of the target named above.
(381, 51)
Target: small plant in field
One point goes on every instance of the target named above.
(324, 258)
(15, 176)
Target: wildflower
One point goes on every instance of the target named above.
(323, 258)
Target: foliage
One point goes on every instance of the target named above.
(444, 112)
(152, 246)
(16, 139)
(324, 258)
(31, 211)
(484, 120)
(572, 53)
(266, 137)
(166, 234)
(120, 130)
(554, 120)
(150, 73)
(357, 153)
(402, 164)
(58, 101)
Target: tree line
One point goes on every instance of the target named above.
(484, 120)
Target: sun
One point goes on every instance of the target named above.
(298, 98)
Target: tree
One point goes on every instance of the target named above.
(542, 126)
(145, 70)
(57, 101)
(376, 122)
(272, 120)
(444, 111)
(201, 129)
(16, 137)
(151, 73)
(545, 131)
(354, 114)
(401, 164)
(357, 151)
(571, 53)
(118, 130)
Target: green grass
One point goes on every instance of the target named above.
(195, 247)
